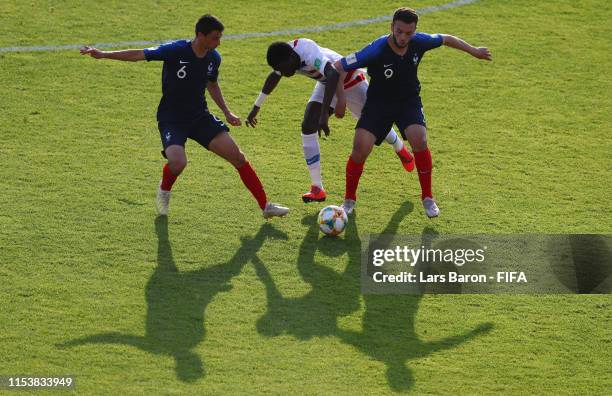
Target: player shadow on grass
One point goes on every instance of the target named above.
(388, 327)
(335, 291)
(176, 302)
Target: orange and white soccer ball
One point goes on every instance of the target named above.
(332, 220)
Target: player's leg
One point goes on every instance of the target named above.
(412, 122)
(310, 144)
(312, 152)
(224, 146)
(371, 129)
(173, 139)
(417, 137)
(177, 161)
(355, 100)
(363, 142)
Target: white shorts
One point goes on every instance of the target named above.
(355, 97)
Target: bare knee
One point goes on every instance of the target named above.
(360, 153)
(418, 143)
(238, 159)
(417, 137)
(309, 126)
(177, 165)
(363, 143)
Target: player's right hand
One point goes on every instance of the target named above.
(340, 108)
(251, 119)
(232, 119)
(92, 51)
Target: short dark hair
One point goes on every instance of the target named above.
(207, 23)
(405, 14)
(278, 52)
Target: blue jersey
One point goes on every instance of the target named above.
(393, 77)
(184, 79)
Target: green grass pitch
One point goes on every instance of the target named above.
(215, 300)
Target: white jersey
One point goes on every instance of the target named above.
(314, 58)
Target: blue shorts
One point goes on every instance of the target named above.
(203, 130)
(378, 117)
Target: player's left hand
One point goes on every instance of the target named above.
(482, 53)
(92, 51)
(232, 119)
(323, 126)
(251, 119)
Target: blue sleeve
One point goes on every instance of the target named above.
(213, 67)
(364, 56)
(161, 52)
(425, 42)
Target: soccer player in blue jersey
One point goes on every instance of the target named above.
(393, 97)
(190, 67)
(304, 56)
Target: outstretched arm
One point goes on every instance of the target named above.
(457, 43)
(130, 55)
(215, 92)
(269, 85)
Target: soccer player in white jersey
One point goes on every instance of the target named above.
(305, 57)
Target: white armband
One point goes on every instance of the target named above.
(260, 99)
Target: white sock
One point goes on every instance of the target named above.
(394, 140)
(312, 155)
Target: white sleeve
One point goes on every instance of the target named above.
(311, 54)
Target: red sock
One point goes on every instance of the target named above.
(168, 179)
(251, 181)
(423, 165)
(353, 173)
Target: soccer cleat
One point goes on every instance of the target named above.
(272, 210)
(431, 208)
(163, 200)
(406, 158)
(348, 205)
(316, 194)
